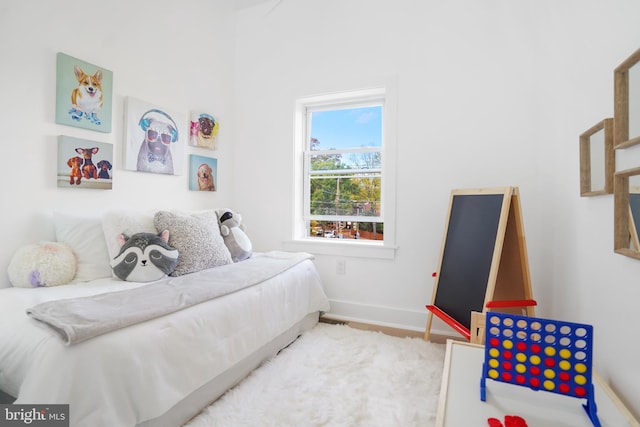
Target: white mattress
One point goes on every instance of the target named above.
(136, 374)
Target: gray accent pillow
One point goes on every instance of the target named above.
(196, 236)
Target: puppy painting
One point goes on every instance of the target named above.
(205, 178)
(75, 176)
(203, 172)
(154, 139)
(84, 164)
(88, 169)
(204, 131)
(86, 98)
(155, 150)
(103, 169)
(83, 94)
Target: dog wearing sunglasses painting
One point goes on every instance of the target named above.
(160, 131)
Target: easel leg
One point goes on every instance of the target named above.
(427, 331)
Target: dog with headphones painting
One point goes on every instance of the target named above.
(160, 131)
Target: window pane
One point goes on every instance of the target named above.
(358, 160)
(346, 194)
(346, 230)
(346, 128)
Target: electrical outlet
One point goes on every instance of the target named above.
(341, 267)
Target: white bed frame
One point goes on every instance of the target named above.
(191, 405)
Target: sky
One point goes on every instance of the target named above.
(349, 128)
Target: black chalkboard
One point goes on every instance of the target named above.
(483, 264)
(468, 254)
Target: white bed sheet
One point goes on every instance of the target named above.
(135, 374)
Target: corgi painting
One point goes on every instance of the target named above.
(86, 99)
(83, 94)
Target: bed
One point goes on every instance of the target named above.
(162, 370)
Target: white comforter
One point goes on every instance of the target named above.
(135, 374)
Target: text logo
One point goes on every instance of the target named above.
(34, 415)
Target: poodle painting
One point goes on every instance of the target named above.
(203, 173)
(83, 94)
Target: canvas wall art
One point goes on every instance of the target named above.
(83, 94)
(154, 138)
(203, 131)
(84, 164)
(203, 173)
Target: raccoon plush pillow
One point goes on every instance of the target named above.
(144, 257)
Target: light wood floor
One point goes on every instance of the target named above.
(396, 332)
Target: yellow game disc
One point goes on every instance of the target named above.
(520, 368)
(508, 344)
(565, 354)
(494, 363)
(521, 357)
(535, 360)
(581, 367)
(580, 379)
(564, 365)
(549, 385)
(493, 373)
(494, 352)
(549, 351)
(549, 373)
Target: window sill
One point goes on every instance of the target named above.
(340, 247)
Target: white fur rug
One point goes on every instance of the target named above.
(335, 375)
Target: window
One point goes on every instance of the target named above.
(343, 188)
(343, 171)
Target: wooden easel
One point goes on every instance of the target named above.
(483, 264)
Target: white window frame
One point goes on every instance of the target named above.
(386, 94)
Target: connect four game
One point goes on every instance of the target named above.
(541, 354)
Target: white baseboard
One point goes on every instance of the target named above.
(412, 320)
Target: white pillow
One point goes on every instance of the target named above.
(83, 233)
(196, 236)
(130, 222)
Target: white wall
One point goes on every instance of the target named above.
(491, 93)
(177, 55)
